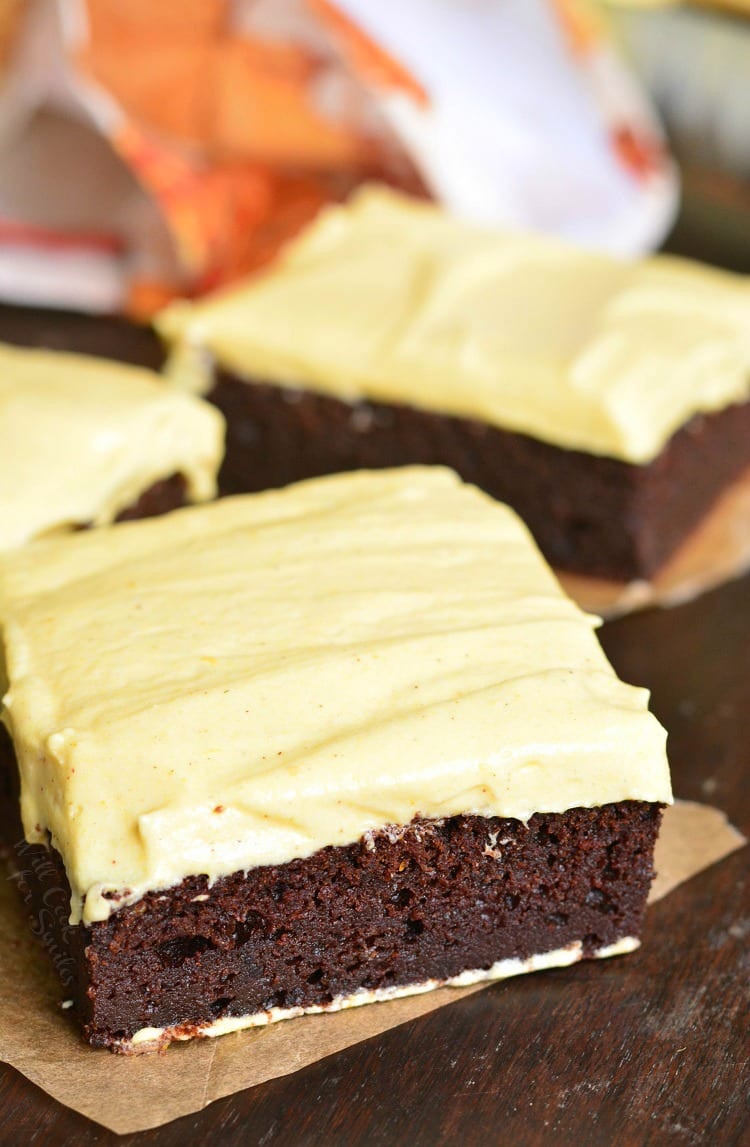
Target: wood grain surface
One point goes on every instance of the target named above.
(650, 1049)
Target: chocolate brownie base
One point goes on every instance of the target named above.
(589, 514)
(400, 907)
(165, 495)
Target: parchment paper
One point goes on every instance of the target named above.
(128, 1095)
(718, 551)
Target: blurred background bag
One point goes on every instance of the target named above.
(150, 149)
(694, 59)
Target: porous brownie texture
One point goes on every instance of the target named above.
(401, 906)
(589, 514)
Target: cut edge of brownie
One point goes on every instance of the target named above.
(149, 1040)
(161, 497)
(402, 910)
(589, 513)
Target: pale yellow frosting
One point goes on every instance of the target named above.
(393, 300)
(243, 683)
(82, 438)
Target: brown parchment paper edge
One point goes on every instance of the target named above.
(129, 1095)
(718, 551)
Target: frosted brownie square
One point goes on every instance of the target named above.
(606, 401)
(84, 441)
(312, 748)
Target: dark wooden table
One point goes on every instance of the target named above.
(651, 1049)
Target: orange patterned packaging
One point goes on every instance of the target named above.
(148, 150)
